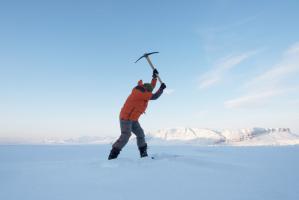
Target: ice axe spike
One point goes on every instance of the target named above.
(146, 55)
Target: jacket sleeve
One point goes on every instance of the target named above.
(154, 81)
(156, 95)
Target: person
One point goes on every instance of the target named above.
(133, 108)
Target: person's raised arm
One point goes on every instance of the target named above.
(159, 92)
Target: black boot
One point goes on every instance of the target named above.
(143, 151)
(113, 153)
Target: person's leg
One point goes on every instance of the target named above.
(126, 129)
(138, 131)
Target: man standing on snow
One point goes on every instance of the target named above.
(134, 106)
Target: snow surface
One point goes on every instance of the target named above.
(80, 172)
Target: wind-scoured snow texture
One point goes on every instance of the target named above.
(82, 172)
(241, 137)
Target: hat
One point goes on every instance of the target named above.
(148, 87)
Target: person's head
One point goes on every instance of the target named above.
(148, 87)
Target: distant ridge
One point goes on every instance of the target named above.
(194, 136)
(240, 137)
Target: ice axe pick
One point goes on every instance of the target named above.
(146, 55)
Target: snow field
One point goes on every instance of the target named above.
(177, 172)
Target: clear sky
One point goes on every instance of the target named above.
(66, 67)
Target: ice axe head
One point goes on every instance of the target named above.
(145, 55)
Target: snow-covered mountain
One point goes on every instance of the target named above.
(242, 137)
(197, 136)
(186, 135)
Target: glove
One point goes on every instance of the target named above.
(155, 73)
(162, 87)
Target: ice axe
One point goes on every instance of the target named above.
(146, 55)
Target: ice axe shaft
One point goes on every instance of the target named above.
(152, 66)
(146, 55)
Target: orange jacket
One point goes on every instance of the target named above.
(136, 103)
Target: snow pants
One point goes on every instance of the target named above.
(126, 127)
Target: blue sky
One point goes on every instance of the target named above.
(66, 67)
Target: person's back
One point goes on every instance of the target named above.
(136, 103)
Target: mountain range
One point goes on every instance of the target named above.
(200, 136)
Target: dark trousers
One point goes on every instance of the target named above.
(126, 127)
